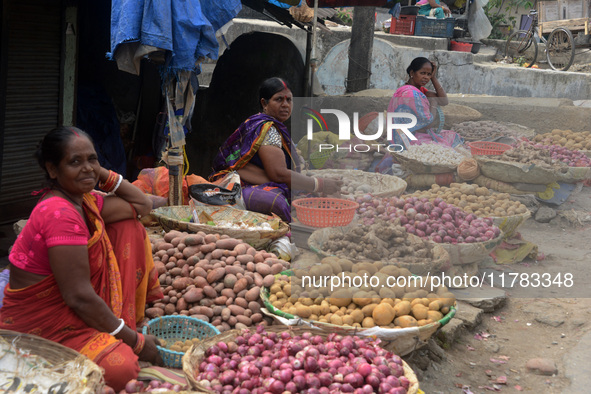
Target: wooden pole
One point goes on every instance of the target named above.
(360, 49)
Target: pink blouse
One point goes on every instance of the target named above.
(53, 222)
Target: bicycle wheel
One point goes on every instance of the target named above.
(560, 49)
(521, 47)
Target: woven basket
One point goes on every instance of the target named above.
(177, 328)
(173, 218)
(400, 341)
(382, 185)
(512, 172)
(195, 355)
(57, 356)
(438, 263)
(466, 253)
(574, 175)
(418, 167)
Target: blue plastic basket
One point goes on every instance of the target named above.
(430, 27)
(178, 328)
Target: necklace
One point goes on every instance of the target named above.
(68, 196)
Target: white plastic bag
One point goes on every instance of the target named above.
(283, 248)
(478, 23)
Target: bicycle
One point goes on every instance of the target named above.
(560, 46)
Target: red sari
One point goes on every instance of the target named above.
(122, 273)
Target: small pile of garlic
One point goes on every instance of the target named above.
(433, 154)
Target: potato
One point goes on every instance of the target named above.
(420, 311)
(383, 314)
(406, 321)
(402, 308)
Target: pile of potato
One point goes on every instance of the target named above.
(485, 129)
(365, 306)
(213, 278)
(567, 138)
(528, 154)
(474, 199)
(178, 346)
(379, 241)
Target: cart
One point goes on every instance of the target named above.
(552, 18)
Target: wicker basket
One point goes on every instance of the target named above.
(418, 167)
(439, 262)
(195, 355)
(58, 356)
(400, 341)
(174, 218)
(382, 185)
(178, 328)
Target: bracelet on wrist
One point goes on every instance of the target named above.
(109, 184)
(118, 184)
(139, 344)
(119, 328)
(315, 184)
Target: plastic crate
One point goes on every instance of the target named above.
(405, 25)
(430, 27)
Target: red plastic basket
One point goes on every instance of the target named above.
(488, 148)
(461, 46)
(325, 212)
(405, 25)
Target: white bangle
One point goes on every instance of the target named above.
(315, 185)
(118, 184)
(118, 329)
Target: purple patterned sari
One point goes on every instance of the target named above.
(242, 148)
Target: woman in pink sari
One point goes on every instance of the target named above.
(414, 98)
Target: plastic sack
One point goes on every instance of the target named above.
(283, 248)
(155, 181)
(226, 192)
(478, 23)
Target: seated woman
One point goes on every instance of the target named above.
(433, 8)
(260, 151)
(81, 270)
(414, 98)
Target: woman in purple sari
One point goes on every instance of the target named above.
(260, 150)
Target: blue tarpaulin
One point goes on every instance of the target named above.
(186, 28)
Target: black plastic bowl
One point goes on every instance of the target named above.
(409, 10)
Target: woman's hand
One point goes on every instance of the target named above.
(150, 352)
(434, 71)
(446, 11)
(331, 186)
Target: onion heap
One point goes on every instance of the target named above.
(268, 362)
(573, 158)
(437, 221)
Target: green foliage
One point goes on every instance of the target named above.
(345, 15)
(498, 13)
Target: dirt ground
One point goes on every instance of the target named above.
(548, 325)
(525, 328)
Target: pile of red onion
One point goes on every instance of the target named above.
(573, 158)
(267, 362)
(437, 221)
(154, 386)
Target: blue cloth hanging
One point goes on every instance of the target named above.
(186, 28)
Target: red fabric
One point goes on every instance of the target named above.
(120, 365)
(53, 222)
(40, 310)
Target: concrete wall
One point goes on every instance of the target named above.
(459, 73)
